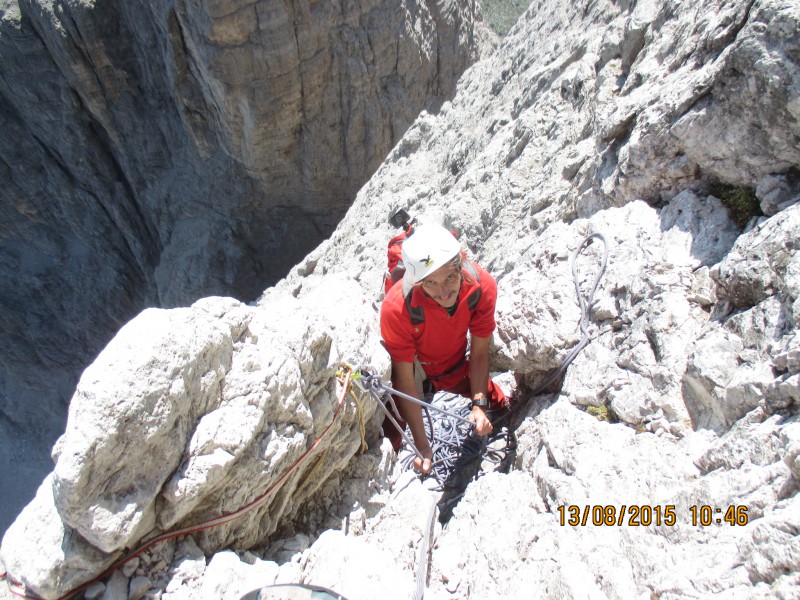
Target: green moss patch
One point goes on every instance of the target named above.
(598, 412)
(502, 14)
(741, 202)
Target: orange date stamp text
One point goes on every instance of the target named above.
(645, 515)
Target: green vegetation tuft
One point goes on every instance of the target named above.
(502, 14)
(741, 202)
(598, 412)
(9, 13)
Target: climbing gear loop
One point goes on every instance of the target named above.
(585, 305)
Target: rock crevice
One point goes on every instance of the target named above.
(154, 154)
(673, 436)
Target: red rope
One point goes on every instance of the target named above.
(215, 522)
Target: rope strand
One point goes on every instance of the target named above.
(17, 588)
(458, 449)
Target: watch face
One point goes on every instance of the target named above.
(482, 402)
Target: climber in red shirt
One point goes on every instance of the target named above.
(425, 324)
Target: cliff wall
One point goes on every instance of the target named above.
(154, 153)
(646, 122)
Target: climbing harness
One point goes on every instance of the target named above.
(372, 384)
(452, 433)
(457, 452)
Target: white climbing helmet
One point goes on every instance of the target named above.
(430, 246)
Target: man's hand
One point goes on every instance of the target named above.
(482, 423)
(403, 380)
(423, 465)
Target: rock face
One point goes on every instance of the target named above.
(156, 153)
(609, 118)
(210, 405)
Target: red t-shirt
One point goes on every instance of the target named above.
(441, 341)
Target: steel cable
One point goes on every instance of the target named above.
(456, 446)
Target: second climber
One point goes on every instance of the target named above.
(444, 305)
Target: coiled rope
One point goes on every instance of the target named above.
(454, 443)
(456, 448)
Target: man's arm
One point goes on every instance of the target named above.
(403, 381)
(479, 382)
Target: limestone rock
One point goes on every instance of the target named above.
(641, 350)
(193, 413)
(790, 438)
(156, 153)
(138, 588)
(616, 119)
(764, 263)
(610, 118)
(712, 368)
(43, 553)
(771, 551)
(777, 192)
(752, 440)
(94, 591)
(731, 370)
(188, 567)
(153, 382)
(229, 578)
(363, 570)
(117, 588)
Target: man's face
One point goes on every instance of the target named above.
(442, 285)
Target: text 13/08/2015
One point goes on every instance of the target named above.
(645, 515)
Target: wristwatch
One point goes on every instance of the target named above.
(480, 400)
